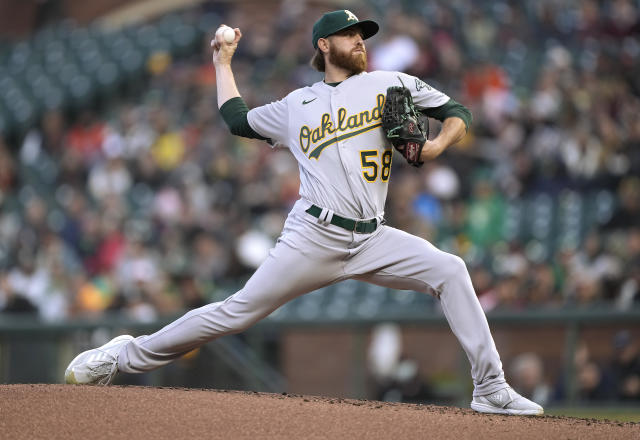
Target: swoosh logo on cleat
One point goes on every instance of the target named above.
(307, 102)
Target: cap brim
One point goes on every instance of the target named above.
(369, 28)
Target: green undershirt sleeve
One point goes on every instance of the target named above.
(449, 109)
(234, 112)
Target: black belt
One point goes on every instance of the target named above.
(360, 226)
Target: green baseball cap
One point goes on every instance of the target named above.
(335, 21)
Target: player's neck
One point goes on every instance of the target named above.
(334, 74)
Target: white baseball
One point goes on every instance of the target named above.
(228, 34)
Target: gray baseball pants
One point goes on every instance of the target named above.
(309, 255)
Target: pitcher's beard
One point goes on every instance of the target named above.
(354, 63)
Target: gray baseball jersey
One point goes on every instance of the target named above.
(334, 134)
(345, 165)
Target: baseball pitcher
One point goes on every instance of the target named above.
(343, 132)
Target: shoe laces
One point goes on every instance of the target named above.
(105, 370)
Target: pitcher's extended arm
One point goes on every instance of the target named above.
(222, 54)
(232, 107)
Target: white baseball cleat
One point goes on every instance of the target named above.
(506, 401)
(97, 366)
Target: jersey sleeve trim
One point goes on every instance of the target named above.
(234, 112)
(450, 109)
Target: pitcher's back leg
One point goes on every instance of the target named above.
(286, 274)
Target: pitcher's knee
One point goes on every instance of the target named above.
(236, 321)
(224, 317)
(242, 322)
(452, 268)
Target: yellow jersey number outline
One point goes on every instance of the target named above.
(370, 167)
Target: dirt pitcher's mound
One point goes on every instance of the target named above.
(83, 412)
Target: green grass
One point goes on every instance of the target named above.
(618, 414)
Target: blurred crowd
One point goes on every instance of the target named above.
(614, 376)
(144, 203)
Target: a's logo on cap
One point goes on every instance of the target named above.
(350, 16)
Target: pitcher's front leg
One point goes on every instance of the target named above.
(400, 260)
